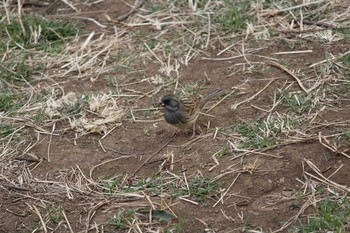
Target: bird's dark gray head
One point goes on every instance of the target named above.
(170, 102)
(172, 109)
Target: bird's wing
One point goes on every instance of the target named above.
(190, 109)
(190, 105)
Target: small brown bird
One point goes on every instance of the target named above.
(183, 112)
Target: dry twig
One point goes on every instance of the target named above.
(272, 63)
(132, 10)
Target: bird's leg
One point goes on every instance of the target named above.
(175, 133)
(193, 131)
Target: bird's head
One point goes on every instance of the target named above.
(170, 102)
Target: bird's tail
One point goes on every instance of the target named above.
(211, 95)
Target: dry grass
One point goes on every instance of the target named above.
(144, 57)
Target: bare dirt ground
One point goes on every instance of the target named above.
(265, 188)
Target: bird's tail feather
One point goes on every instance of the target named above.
(211, 95)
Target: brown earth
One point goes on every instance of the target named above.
(263, 199)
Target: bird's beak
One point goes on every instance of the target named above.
(161, 104)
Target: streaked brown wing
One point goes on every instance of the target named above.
(190, 104)
(191, 109)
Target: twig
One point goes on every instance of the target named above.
(188, 200)
(7, 11)
(330, 59)
(228, 189)
(14, 187)
(126, 15)
(5, 148)
(149, 158)
(107, 161)
(49, 146)
(201, 221)
(328, 145)
(275, 64)
(70, 5)
(209, 30)
(41, 218)
(294, 218)
(185, 179)
(219, 102)
(53, 6)
(255, 152)
(91, 213)
(91, 20)
(320, 24)
(293, 52)
(252, 97)
(69, 226)
(215, 160)
(117, 151)
(149, 200)
(17, 214)
(104, 150)
(222, 58)
(322, 178)
(164, 202)
(106, 134)
(20, 17)
(292, 8)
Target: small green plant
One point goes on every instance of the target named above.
(142, 33)
(55, 213)
(224, 151)
(298, 103)
(235, 16)
(111, 80)
(147, 114)
(273, 32)
(331, 215)
(74, 108)
(38, 116)
(37, 32)
(297, 202)
(201, 188)
(192, 88)
(347, 135)
(346, 60)
(6, 129)
(11, 101)
(123, 219)
(178, 227)
(17, 71)
(246, 226)
(112, 185)
(146, 131)
(343, 31)
(267, 4)
(264, 133)
(152, 43)
(124, 58)
(254, 136)
(153, 7)
(150, 184)
(342, 139)
(198, 187)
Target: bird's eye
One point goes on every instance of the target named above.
(174, 103)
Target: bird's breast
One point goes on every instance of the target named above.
(173, 118)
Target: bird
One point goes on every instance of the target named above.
(183, 112)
